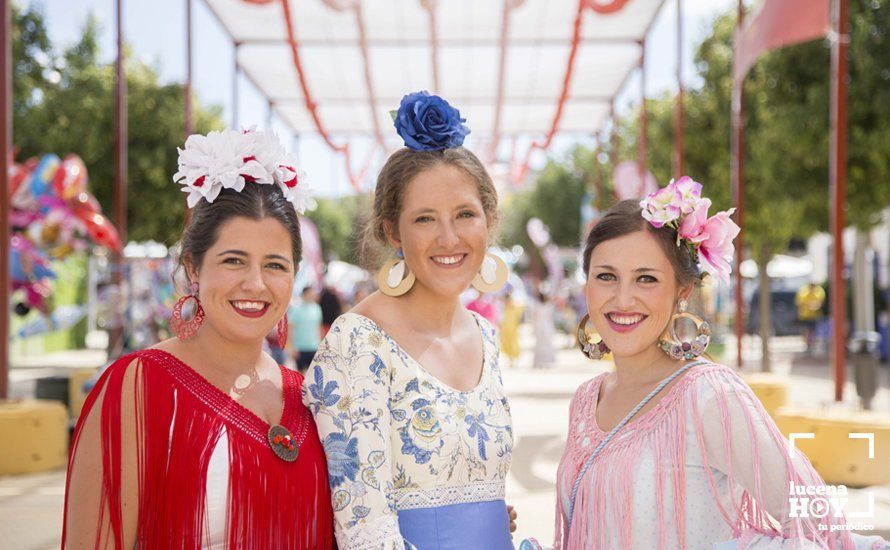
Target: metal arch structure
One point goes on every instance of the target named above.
(516, 68)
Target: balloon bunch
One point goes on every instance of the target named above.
(52, 216)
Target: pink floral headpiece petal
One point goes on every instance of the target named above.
(680, 206)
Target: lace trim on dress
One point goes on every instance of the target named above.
(482, 491)
(380, 533)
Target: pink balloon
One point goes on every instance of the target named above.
(629, 184)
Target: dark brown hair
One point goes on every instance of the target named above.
(402, 167)
(625, 218)
(255, 202)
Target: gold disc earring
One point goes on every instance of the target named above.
(493, 274)
(394, 278)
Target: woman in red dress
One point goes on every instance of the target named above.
(202, 441)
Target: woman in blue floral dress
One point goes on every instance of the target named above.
(405, 388)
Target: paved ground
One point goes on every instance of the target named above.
(30, 506)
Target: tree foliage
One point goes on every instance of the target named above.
(339, 226)
(555, 199)
(33, 63)
(64, 103)
(786, 132)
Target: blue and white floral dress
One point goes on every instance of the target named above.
(411, 461)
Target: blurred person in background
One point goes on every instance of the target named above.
(331, 307)
(362, 290)
(305, 328)
(809, 300)
(274, 348)
(484, 305)
(511, 319)
(545, 331)
(566, 318)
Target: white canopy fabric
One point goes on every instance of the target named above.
(354, 50)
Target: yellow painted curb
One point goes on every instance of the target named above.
(33, 436)
(839, 458)
(76, 395)
(771, 389)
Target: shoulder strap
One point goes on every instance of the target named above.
(615, 430)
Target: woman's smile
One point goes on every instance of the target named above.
(248, 308)
(452, 261)
(624, 322)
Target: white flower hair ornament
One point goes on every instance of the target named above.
(230, 159)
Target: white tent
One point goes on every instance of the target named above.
(337, 67)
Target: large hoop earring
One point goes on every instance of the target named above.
(592, 351)
(392, 279)
(493, 274)
(187, 328)
(678, 349)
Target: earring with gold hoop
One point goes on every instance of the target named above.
(394, 278)
(493, 274)
(591, 350)
(678, 349)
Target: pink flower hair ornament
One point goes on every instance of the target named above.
(680, 206)
(230, 159)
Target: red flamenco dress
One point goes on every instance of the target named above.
(209, 473)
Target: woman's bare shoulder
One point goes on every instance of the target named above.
(173, 346)
(376, 306)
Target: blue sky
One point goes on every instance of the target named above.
(156, 31)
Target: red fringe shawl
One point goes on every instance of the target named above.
(180, 418)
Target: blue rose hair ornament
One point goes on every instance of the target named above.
(428, 123)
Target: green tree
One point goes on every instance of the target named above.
(786, 129)
(786, 133)
(75, 114)
(338, 222)
(555, 198)
(33, 61)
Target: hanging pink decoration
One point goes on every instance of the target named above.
(606, 6)
(631, 181)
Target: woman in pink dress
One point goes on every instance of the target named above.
(672, 450)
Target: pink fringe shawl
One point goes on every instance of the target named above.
(609, 482)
